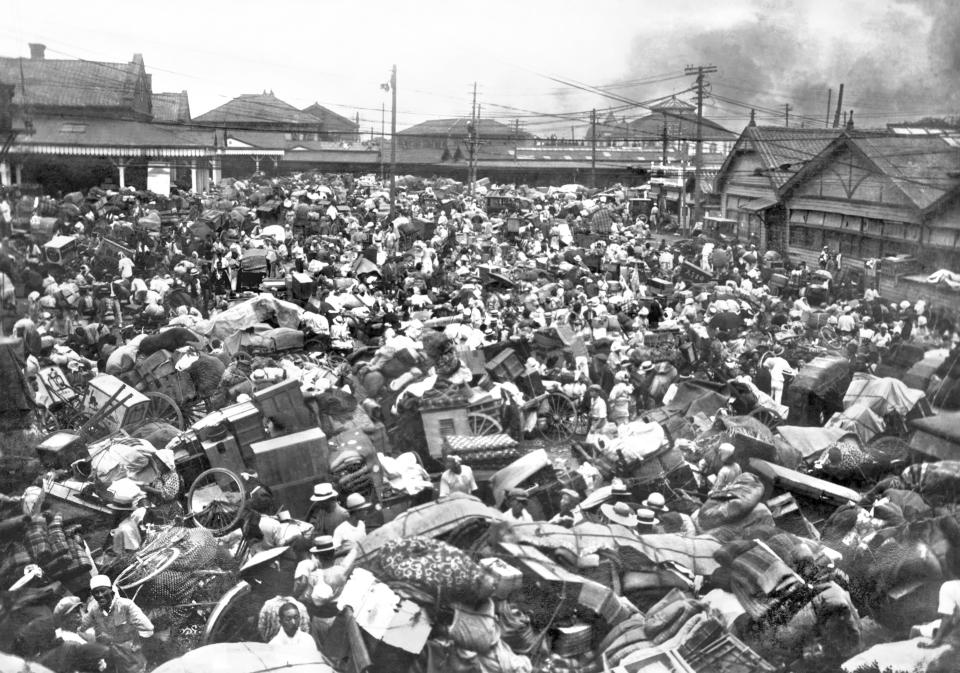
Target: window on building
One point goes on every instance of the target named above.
(288, 136)
(73, 128)
(869, 248)
(798, 237)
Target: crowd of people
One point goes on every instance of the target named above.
(637, 312)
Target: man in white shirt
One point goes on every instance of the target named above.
(778, 369)
(298, 646)
(518, 507)
(353, 530)
(457, 478)
(949, 610)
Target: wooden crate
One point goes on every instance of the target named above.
(441, 422)
(505, 366)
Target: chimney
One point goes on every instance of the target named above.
(37, 51)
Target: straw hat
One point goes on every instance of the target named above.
(656, 502)
(646, 517)
(356, 502)
(323, 492)
(620, 513)
(323, 544)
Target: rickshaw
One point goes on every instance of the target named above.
(817, 391)
(254, 267)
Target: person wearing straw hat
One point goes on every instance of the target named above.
(118, 623)
(647, 522)
(619, 513)
(325, 512)
(353, 530)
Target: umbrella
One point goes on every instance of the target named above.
(244, 658)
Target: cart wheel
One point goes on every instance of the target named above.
(561, 416)
(193, 411)
(481, 424)
(47, 421)
(216, 499)
(163, 408)
(765, 416)
(146, 568)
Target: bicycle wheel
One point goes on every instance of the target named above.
(146, 567)
(216, 500)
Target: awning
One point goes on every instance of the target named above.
(756, 205)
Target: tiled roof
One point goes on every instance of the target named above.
(921, 166)
(71, 83)
(785, 150)
(259, 108)
(330, 120)
(171, 107)
(457, 127)
(113, 132)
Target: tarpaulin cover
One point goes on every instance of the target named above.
(430, 520)
(821, 375)
(949, 278)
(262, 308)
(946, 425)
(859, 419)
(810, 441)
(882, 395)
(244, 658)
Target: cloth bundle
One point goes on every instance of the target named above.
(731, 504)
(938, 483)
(475, 627)
(439, 569)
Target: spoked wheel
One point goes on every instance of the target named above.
(481, 424)
(146, 567)
(234, 619)
(216, 500)
(559, 416)
(767, 417)
(163, 408)
(193, 411)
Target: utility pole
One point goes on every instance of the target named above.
(471, 140)
(593, 144)
(662, 200)
(699, 71)
(393, 144)
(383, 134)
(829, 100)
(786, 114)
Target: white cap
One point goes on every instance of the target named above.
(100, 582)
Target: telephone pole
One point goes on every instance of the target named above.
(472, 140)
(393, 143)
(786, 114)
(593, 144)
(699, 71)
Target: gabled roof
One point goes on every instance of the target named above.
(926, 168)
(673, 105)
(171, 107)
(457, 127)
(782, 151)
(680, 125)
(257, 108)
(72, 83)
(331, 121)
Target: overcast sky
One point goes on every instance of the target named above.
(898, 59)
